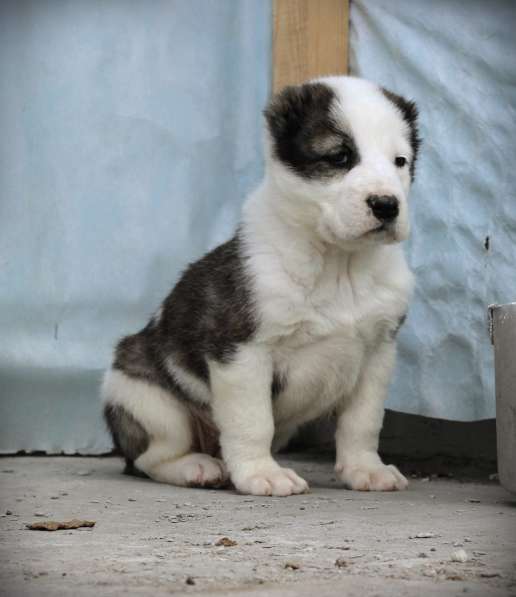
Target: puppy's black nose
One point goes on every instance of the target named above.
(385, 207)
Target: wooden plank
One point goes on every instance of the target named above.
(310, 39)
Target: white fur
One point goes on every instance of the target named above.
(195, 387)
(167, 422)
(328, 292)
(328, 295)
(335, 212)
(163, 416)
(243, 412)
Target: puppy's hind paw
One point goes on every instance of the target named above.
(201, 470)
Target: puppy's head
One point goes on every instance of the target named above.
(342, 153)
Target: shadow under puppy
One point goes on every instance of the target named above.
(293, 317)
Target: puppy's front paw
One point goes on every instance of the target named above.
(372, 478)
(270, 480)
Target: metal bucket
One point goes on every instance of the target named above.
(502, 320)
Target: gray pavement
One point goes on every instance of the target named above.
(152, 539)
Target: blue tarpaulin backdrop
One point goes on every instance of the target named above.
(131, 133)
(455, 59)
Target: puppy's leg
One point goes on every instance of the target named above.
(282, 436)
(163, 448)
(161, 463)
(358, 428)
(242, 409)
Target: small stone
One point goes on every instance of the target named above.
(425, 535)
(341, 563)
(425, 479)
(8, 512)
(292, 566)
(493, 477)
(63, 493)
(8, 470)
(433, 549)
(226, 542)
(489, 575)
(84, 473)
(430, 572)
(474, 501)
(422, 555)
(452, 575)
(40, 514)
(459, 556)
(131, 500)
(54, 497)
(190, 580)
(52, 525)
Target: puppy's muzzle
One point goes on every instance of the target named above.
(385, 208)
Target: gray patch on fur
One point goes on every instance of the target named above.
(306, 137)
(409, 112)
(206, 316)
(394, 331)
(129, 437)
(278, 384)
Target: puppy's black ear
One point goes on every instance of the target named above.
(409, 112)
(408, 108)
(296, 117)
(294, 108)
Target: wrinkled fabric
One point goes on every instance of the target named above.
(130, 135)
(457, 61)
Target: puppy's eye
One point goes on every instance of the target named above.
(340, 159)
(400, 161)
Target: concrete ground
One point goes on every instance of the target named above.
(152, 539)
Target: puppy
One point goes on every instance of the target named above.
(295, 316)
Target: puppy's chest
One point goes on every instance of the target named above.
(325, 335)
(337, 308)
(321, 333)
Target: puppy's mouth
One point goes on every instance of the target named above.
(380, 228)
(386, 232)
(384, 227)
